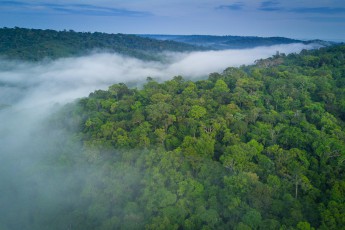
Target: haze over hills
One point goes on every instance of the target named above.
(84, 62)
(232, 42)
(36, 44)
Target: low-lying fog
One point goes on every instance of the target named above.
(34, 84)
(30, 92)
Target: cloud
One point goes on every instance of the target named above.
(327, 19)
(318, 10)
(270, 6)
(200, 63)
(81, 9)
(274, 5)
(60, 81)
(235, 6)
(13, 3)
(269, 3)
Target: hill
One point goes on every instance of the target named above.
(35, 44)
(231, 42)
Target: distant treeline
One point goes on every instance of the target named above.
(231, 42)
(36, 44)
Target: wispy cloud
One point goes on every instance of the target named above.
(63, 80)
(318, 10)
(234, 6)
(269, 3)
(270, 6)
(326, 19)
(12, 3)
(81, 9)
(274, 5)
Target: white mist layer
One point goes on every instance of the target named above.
(60, 81)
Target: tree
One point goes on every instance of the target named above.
(252, 218)
(197, 112)
(239, 158)
(221, 91)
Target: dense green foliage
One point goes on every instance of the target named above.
(256, 147)
(34, 44)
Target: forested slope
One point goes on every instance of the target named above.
(232, 42)
(256, 147)
(35, 44)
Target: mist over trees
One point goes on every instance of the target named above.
(37, 45)
(231, 42)
(254, 147)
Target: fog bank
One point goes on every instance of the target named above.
(60, 81)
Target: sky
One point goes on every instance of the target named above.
(300, 19)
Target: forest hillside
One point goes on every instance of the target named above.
(36, 44)
(232, 42)
(261, 146)
(255, 147)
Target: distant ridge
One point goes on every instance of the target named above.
(36, 44)
(231, 42)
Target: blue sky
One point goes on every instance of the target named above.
(302, 19)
